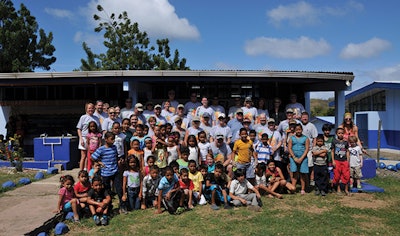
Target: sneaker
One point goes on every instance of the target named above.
(214, 207)
(180, 210)
(76, 220)
(226, 206)
(302, 192)
(104, 220)
(359, 187)
(123, 210)
(312, 183)
(96, 219)
(323, 193)
(317, 192)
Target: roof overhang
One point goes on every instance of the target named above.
(313, 81)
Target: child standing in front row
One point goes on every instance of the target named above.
(298, 148)
(150, 188)
(93, 142)
(131, 184)
(320, 156)
(356, 161)
(198, 180)
(340, 161)
(186, 186)
(67, 201)
(99, 201)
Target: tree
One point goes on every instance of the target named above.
(21, 48)
(128, 48)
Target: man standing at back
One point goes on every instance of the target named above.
(127, 111)
(99, 113)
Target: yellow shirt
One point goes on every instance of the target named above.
(197, 180)
(244, 151)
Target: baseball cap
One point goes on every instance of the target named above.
(247, 99)
(180, 106)
(292, 122)
(239, 110)
(139, 106)
(221, 115)
(206, 114)
(271, 120)
(196, 118)
(177, 118)
(157, 106)
(289, 110)
(219, 136)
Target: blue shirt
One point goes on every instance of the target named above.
(263, 152)
(109, 158)
(167, 186)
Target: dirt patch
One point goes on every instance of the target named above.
(368, 222)
(363, 201)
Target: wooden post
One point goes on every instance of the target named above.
(379, 141)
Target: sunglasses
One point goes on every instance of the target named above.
(348, 119)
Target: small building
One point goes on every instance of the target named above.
(319, 121)
(376, 102)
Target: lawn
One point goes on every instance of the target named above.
(359, 214)
(7, 174)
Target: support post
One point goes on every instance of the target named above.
(340, 105)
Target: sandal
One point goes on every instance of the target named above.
(302, 192)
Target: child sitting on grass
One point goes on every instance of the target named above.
(262, 183)
(169, 193)
(238, 191)
(67, 201)
(216, 188)
(82, 188)
(187, 187)
(99, 201)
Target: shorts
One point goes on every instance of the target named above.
(355, 172)
(84, 147)
(248, 168)
(67, 207)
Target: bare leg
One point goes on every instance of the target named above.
(82, 163)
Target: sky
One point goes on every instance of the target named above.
(331, 36)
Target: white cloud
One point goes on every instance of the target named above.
(390, 73)
(370, 48)
(302, 47)
(303, 13)
(59, 13)
(157, 17)
(94, 41)
(296, 14)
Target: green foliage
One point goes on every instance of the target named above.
(128, 48)
(320, 107)
(22, 49)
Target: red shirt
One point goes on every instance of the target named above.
(186, 185)
(80, 188)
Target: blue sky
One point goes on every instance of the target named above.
(337, 36)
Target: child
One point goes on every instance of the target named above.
(161, 154)
(139, 135)
(150, 188)
(147, 150)
(82, 188)
(210, 163)
(320, 156)
(169, 193)
(263, 149)
(95, 171)
(275, 175)
(131, 184)
(136, 151)
(67, 201)
(194, 153)
(243, 147)
(186, 185)
(150, 162)
(127, 132)
(99, 201)
(298, 148)
(198, 180)
(204, 173)
(108, 155)
(216, 188)
(204, 146)
(119, 141)
(328, 139)
(173, 149)
(356, 161)
(262, 184)
(340, 161)
(93, 142)
(175, 167)
(238, 192)
(184, 160)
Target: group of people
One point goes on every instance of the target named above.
(176, 156)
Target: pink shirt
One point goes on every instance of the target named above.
(67, 195)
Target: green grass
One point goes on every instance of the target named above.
(360, 214)
(6, 174)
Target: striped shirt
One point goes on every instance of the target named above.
(263, 152)
(107, 155)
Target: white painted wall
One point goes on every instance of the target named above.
(5, 112)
